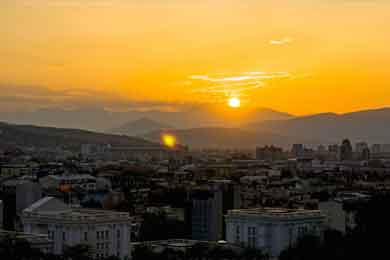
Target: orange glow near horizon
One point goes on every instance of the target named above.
(291, 56)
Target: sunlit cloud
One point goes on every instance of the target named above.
(212, 79)
(282, 41)
(245, 76)
(219, 86)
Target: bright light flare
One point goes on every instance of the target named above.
(169, 140)
(234, 102)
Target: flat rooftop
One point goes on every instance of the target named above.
(83, 215)
(275, 213)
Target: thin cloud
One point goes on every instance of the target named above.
(283, 41)
(15, 97)
(223, 84)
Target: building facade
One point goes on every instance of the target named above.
(107, 233)
(271, 229)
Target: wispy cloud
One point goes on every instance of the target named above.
(223, 84)
(281, 41)
(23, 97)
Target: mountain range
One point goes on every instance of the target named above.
(107, 121)
(140, 127)
(50, 137)
(198, 128)
(370, 125)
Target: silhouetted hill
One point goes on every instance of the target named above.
(28, 135)
(139, 127)
(370, 125)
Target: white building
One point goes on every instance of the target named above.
(106, 232)
(271, 229)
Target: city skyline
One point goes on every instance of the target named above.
(298, 57)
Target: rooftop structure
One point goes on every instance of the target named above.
(275, 213)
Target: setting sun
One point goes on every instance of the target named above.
(234, 102)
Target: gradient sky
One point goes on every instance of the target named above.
(297, 56)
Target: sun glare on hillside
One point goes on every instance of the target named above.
(169, 140)
(234, 102)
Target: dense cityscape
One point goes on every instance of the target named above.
(169, 202)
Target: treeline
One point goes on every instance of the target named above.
(19, 249)
(368, 240)
(200, 251)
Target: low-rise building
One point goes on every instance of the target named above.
(272, 229)
(107, 233)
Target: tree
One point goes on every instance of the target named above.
(144, 253)
(198, 252)
(18, 249)
(78, 252)
(252, 254)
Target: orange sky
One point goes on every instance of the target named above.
(301, 57)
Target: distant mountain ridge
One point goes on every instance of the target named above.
(192, 129)
(369, 125)
(28, 135)
(140, 127)
(105, 121)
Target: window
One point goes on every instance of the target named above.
(50, 234)
(63, 236)
(302, 230)
(85, 236)
(252, 236)
(107, 234)
(97, 235)
(237, 239)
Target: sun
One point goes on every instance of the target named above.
(234, 102)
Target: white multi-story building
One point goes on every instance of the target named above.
(107, 233)
(271, 229)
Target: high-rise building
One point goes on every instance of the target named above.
(206, 213)
(207, 206)
(346, 152)
(269, 153)
(362, 151)
(360, 147)
(298, 150)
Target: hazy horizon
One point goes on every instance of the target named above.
(300, 57)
